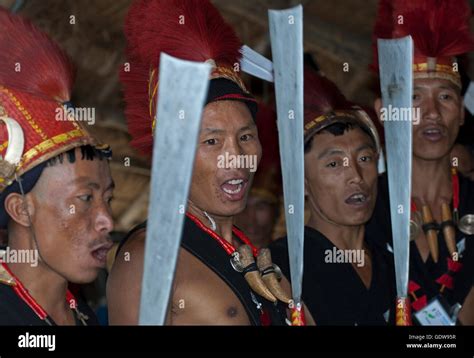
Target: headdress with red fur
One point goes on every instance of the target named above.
(191, 30)
(440, 32)
(267, 182)
(36, 79)
(324, 105)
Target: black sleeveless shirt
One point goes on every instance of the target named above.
(425, 277)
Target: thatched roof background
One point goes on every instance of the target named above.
(336, 32)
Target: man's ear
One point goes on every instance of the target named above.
(378, 109)
(305, 187)
(19, 208)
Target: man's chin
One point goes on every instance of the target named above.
(432, 153)
(355, 219)
(229, 209)
(84, 277)
(232, 210)
(233, 207)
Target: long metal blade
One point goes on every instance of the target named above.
(177, 128)
(255, 64)
(286, 33)
(396, 82)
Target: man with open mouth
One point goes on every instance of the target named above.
(207, 289)
(55, 185)
(346, 280)
(442, 206)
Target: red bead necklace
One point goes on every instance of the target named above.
(25, 296)
(227, 246)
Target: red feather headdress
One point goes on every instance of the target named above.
(324, 105)
(267, 182)
(31, 62)
(36, 79)
(192, 30)
(439, 28)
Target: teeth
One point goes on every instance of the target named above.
(359, 197)
(235, 181)
(233, 191)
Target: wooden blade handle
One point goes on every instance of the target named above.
(403, 312)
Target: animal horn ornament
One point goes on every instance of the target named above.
(12, 158)
(429, 227)
(251, 273)
(449, 232)
(269, 276)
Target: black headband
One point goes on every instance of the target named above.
(221, 89)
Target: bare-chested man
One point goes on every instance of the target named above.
(207, 290)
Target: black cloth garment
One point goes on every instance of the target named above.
(425, 274)
(209, 252)
(333, 292)
(15, 312)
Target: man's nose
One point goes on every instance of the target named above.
(104, 222)
(355, 173)
(430, 109)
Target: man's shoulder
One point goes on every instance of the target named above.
(135, 239)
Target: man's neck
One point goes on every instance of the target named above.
(47, 287)
(343, 237)
(431, 180)
(223, 224)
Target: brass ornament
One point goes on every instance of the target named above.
(269, 277)
(466, 224)
(235, 262)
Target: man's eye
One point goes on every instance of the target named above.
(246, 137)
(445, 96)
(85, 198)
(416, 97)
(109, 200)
(211, 141)
(332, 165)
(366, 158)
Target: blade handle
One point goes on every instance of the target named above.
(297, 314)
(403, 312)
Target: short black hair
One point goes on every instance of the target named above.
(337, 129)
(88, 152)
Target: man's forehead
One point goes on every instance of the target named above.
(326, 142)
(227, 123)
(438, 83)
(94, 181)
(80, 168)
(225, 128)
(225, 111)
